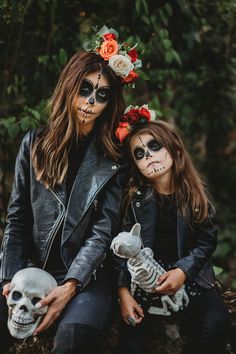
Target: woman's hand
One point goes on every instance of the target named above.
(129, 307)
(56, 300)
(6, 289)
(170, 282)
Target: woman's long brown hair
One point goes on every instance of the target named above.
(50, 150)
(190, 195)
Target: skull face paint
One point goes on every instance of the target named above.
(151, 158)
(28, 287)
(92, 98)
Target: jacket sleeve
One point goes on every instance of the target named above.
(19, 218)
(122, 274)
(97, 245)
(205, 236)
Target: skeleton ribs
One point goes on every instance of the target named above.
(145, 271)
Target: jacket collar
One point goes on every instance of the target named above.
(95, 170)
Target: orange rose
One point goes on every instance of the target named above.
(122, 131)
(108, 49)
(130, 78)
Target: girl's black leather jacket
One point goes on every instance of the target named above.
(196, 243)
(90, 220)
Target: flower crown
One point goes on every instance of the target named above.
(121, 57)
(133, 116)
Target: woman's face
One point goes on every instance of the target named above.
(150, 157)
(92, 99)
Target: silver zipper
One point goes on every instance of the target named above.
(206, 281)
(94, 271)
(136, 220)
(55, 228)
(99, 191)
(3, 257)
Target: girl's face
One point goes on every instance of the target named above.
(150, 157)
(92, 99)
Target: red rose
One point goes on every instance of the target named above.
(109, 36)
(145, 113)
(133, 55)
(130, 78)
(134, 115)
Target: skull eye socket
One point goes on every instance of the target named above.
(35, 300)
(16, 295)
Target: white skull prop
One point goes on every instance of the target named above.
(28, 287)
(127, 244)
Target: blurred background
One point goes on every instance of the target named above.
(189, 54)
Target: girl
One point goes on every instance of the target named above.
(167, 197)
(65, 202)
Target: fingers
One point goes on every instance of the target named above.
(162, 278)
(45, 301)
(133, 316)
(6, 289)
(48, 320)
(138, 309)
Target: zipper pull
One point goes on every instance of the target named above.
(94, 274)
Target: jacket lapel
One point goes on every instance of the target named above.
(94, 172)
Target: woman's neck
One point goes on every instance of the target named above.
(85, 129)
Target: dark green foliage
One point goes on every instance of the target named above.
(189, 57)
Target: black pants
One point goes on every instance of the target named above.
(208, 322)
(83, 323)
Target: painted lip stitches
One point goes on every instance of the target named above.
(86, 112)
(151, 163)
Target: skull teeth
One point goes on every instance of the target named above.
(21, 323)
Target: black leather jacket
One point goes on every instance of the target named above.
(195, 243)
(90, 220)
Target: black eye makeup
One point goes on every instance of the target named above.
(139, 153)
(86, 88)
(153, 145)
(102, 94)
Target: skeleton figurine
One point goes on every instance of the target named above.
(145, 271)
(28, 287)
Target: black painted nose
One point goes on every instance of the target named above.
(91, 100)
(147, 153)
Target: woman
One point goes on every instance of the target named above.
(167, 197)
(65, 202)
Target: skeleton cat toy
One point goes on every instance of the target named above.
(28, 287)
(145, 271)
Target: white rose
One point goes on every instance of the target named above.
(121, 65)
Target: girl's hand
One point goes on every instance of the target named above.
(129, 307)
(170, 282)
(56, 300)
(6, 289)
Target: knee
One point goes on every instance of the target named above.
(75, 338)
(219, 325)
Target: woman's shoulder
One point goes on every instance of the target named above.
(32, 134)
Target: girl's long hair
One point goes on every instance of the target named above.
(51, 148)
(188, 187)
